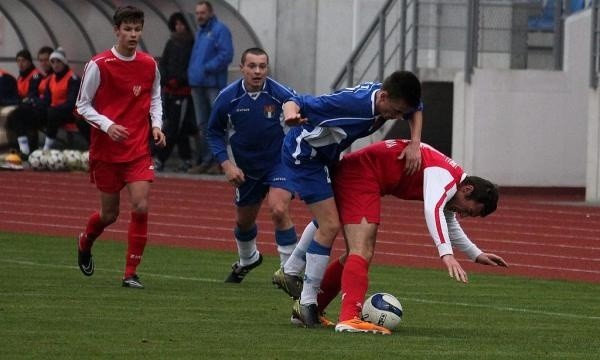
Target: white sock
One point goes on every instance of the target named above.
(23, 144)
(285, 251)
(315, 269)
(48, 143)
(297, 261)
(247, 251)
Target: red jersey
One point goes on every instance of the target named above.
(124, 91)
(362, 177)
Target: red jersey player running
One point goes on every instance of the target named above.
(120, 87)
(359, 181)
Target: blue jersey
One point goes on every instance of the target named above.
(335, 121)
(252, 123)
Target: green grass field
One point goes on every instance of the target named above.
(48, 310)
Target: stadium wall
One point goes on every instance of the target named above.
(527, 127)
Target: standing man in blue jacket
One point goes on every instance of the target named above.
(247, 115)
(207, 75)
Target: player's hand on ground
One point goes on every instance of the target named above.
(159, 137)
(454, 269)
(412, 154)
(233, 174)
(491, 259)
(117, 132)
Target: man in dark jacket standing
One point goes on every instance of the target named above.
(180, 122)
(207, 75)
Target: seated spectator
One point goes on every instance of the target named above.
(60, 98)
(8, 89)
(23, 123)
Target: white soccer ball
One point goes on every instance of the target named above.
(85, 160)
(35, 160)
(72, 159)
(382, 309)
(55, 160)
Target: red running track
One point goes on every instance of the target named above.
(542, 234)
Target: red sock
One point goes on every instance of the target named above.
(94, 228)
(331, 284)
(355, 282)
(136, 241)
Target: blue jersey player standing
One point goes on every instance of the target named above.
(248, 114)
(325, 126)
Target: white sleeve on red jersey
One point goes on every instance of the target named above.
(459, 238)
(156, 110)
(89, 84)
(438, 187)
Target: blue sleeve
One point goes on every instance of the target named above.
(224, 51)
(409, 115)
(217, 128)
(337, 109)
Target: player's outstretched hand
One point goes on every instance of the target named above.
(454, 269)
(291, 114)
(412, 153)
(491, 259)
(159, 137)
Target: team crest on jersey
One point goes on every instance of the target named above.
(269, 111)
(137, 89)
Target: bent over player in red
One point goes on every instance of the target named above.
(120, 87)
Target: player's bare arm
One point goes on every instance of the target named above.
(291, 114)
(117, 132)
(233, 174)
(491, 259)
(454, 269)
(159, 137)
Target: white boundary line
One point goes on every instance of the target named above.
(419, 300)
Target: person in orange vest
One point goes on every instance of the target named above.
(29, 116)
(60, 96)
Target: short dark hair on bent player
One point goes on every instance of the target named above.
(403, 85)
(484, 192)
(254, 51)
(128, 14)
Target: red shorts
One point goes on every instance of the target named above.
(357, 194)
(112, 177)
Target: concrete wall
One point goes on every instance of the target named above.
(527, 128)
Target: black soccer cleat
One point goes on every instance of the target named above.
(238, 272)
(85, 259)
(307, 314)
(133, 282)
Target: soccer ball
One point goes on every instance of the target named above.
(35, 160)
(85, 160)
(72, 159)
(55, 160)
(382, 309)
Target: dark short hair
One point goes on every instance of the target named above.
(403, 85)
(128, 14)
(207, 3)
(24, 54)
(45, 50)
(484, 192)
(177, 16)
(253, 51)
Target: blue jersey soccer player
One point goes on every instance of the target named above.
(328, 124)
(248, 114)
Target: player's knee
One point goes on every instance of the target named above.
(279, 213)
(140, 206)
(109, 217)
(330, 228)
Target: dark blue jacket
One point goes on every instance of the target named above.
(211, 55)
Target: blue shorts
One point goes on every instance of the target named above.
(310, 179)
(253, 190)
